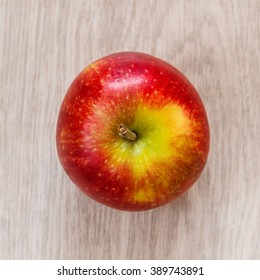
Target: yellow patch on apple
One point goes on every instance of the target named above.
(158, 129)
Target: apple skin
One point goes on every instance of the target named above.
(156, 102)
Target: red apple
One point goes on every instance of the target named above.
(132, 132)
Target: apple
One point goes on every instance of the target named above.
(132, 132)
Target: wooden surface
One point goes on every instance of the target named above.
(45, 44)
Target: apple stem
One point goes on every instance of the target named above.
(125, 132)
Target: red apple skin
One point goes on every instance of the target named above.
(107, 93)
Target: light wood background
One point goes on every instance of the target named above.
(45, 44)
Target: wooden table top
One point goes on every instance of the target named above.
(45, 44)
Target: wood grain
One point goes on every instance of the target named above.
(45, 44)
